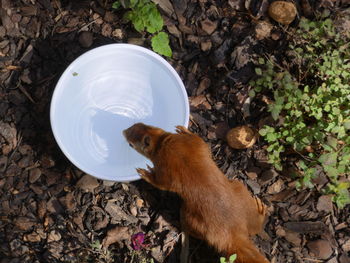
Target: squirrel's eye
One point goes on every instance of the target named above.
(132, 146)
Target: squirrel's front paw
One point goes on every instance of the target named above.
(145, 175)
(182, 130)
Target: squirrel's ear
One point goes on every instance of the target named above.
(146, 141)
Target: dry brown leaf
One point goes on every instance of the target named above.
(116, 235)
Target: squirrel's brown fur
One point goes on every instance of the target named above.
(214, 209)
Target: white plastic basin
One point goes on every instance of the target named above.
(105, 91)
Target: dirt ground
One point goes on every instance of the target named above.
(52, 212)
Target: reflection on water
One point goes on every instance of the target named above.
(114, 101)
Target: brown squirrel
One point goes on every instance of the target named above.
(214, 209)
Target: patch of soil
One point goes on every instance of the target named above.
(52, 212)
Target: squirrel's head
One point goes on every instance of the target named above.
(143, 138)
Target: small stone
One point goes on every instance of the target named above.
(34, 175)
(54, 235)
(325, 203)
(321, 249)
(206, 45)
(283, 12)
(86, 39)
(208, 26)
(263, 30)
(87, 183)
(241, 137)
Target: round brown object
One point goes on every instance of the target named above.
(241, 137)
(283, 12)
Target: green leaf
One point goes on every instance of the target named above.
(233, 258)
(222, 260)
(160, 44)
(252, 93)
(116, 5)
(333, 142)
(271, 137)
(258, 71)
(328, 159)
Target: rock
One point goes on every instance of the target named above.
(263, 30)
(325, 203)
(34, 175)
(208, 26)
(54, 235)
(321, 249)
(282, 12)
(241, 137)
(86, 39)
(87, 183)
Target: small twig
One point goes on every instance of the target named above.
(25, 92)
(184, 248)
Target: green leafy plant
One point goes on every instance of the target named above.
(311, 106)
(145, 16)
(231, 259)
